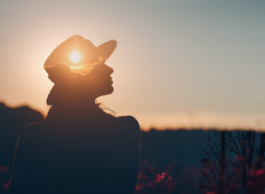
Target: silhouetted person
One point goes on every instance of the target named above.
(79, 148)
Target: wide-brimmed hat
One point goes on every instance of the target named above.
(90, 54)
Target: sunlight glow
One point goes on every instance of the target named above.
(75, 57)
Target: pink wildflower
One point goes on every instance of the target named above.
(163, 177)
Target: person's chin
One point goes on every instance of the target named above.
(111, 89)
(108, 90)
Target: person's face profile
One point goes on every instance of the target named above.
(100, 80)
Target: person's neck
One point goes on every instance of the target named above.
(82, 105)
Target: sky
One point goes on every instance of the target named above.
(178, 63)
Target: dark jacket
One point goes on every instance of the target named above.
(95, 155)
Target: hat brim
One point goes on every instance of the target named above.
(90, 54)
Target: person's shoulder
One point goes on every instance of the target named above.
(27, 141)
(129, 122)
(30, 131)
(33, 128)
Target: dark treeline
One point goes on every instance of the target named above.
(172, 161)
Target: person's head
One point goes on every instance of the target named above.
(79, 82)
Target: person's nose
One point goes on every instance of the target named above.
(109, 69)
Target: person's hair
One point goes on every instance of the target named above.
(106, 109)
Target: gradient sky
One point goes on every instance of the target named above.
(189, 63)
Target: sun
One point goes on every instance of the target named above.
(75, 57)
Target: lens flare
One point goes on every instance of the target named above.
(75, 57)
